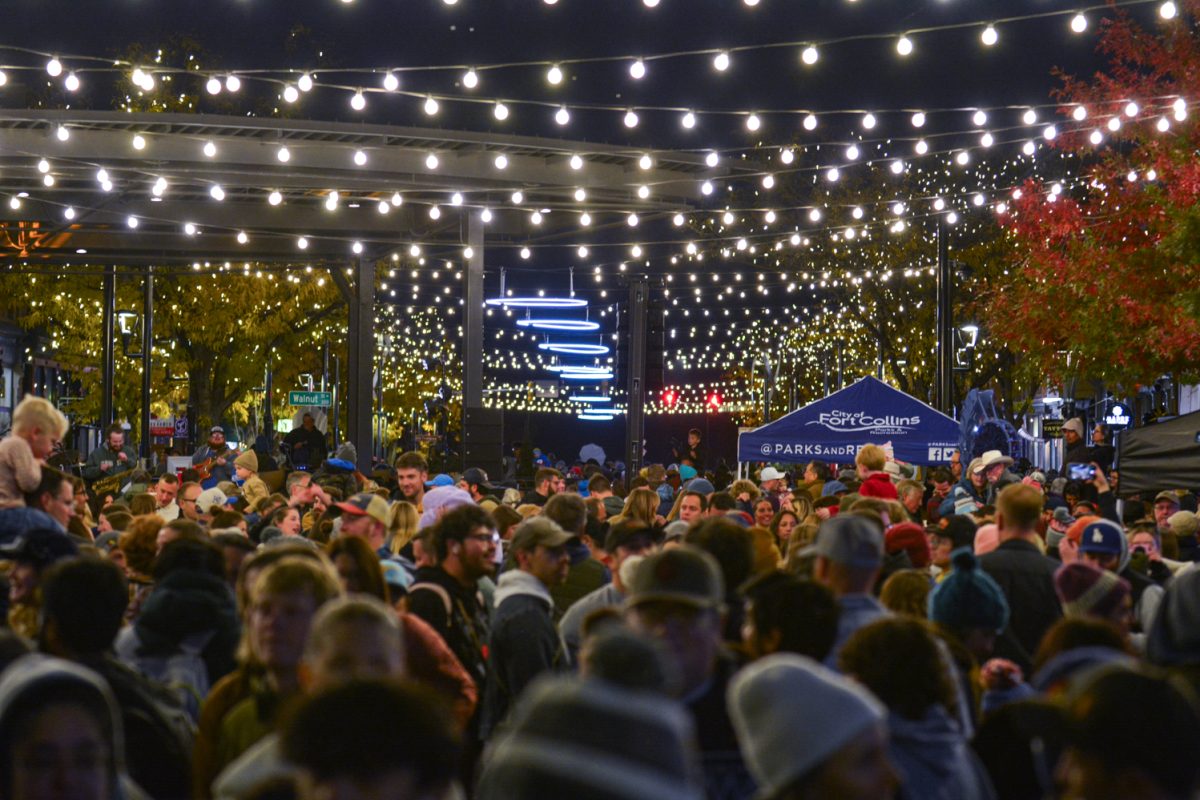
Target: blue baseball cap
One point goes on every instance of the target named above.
(441, 479)
(1102, 536)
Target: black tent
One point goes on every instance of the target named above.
(1165, 455)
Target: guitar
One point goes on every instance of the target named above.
(204, 468)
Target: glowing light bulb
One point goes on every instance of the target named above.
(1163, 124)
(302, 243)
(897, 167)
(1168, 10)
(305, 83)
(397, 199)
(435, 212)
(526, 253)
(939, 204)
(1132, 109)
(1029, 148)
(501, 161)
(707, 188)
(431, 161)
(456, 199)
(963, 158)
(283, 154)
(576, 162)
(470, 79)
(753, 123)
(787, 156)
(1114, 124)
(904, 46)
(562, 116)
(132, 221)
(216, 192)
(189, 228)
(585, 219)
(645, 162)
(980, 117)
(857, 213)
(390, 82)
(3, 77)
(1079, 23)
(631, 119)
(62, 133)
(1096, 137)
(159, 188)
(72, 82)
(868, 121)
(643, 192)
(852, 153)
(712, 159)
(554, 75)
(210, 150)
(54, 67)
(810, 55)
(43, 166)
(986, 140)
(989, 36)
(810, 122)
(486, 215)
(242, 238)
(768, 182)
(1079, 113)
(814, 215)
(580, 195)
(536, 218)
(922, 147)
(637, 70)
(721, 61)
(832, 174)
(518, 198)
(275, 198)
(290, 94)
(678, 220)
(233, 83)
(632, 220)
(1030, 117)
(358, 102)
(1050, 132)
(689, 120)
(918, 119)
(139, 142)
(360, 158)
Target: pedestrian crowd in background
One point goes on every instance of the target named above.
(864, 630)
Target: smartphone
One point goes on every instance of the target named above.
(1081, 472)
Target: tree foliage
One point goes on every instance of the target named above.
(1105, 282)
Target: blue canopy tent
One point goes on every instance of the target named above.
(834, 428)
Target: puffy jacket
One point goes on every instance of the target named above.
(934, 759)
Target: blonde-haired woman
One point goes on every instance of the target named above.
(402, 526)
(640, 505)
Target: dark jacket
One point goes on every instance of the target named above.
(92, 471)
(524, 644)
(337, 474)
(158, 734)
(584, 577)
(1077, 453)
(725, 773)
(533, 498)
(311, 451)
(1026, 576)
(185, 603)
(457, 613)
(1006, 479)
(934, 759)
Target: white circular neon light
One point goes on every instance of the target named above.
(539, 302)
(559, 324)
(575, 349)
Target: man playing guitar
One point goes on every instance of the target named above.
(214, 461)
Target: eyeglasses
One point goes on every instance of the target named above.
(486, 538)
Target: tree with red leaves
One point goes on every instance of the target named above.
(1108, 283)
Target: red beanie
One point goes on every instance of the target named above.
(909, 537)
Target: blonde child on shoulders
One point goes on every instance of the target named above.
(37, 426)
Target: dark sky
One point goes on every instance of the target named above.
(949, 68)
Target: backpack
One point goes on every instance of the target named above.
(183, 672)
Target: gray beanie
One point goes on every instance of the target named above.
(773, 703)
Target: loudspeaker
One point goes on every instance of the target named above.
(483, 440)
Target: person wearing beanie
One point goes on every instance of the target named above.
(773, 703)
(909, 538)
(1076, 444)
(1086, 591)
(253, 487)
(970, 606)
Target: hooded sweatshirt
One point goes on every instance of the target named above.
(38, 678)
(524, 643)
(934, 759)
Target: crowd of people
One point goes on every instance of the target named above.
(868, 630)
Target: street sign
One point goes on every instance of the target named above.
(319, 399)
(1052, 428)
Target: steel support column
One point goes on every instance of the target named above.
(945, 324)
(473, 311)
(362, 350)
(108, 349)
(635, 416)
(147, 358)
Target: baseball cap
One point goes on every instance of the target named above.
(1102, 536)
(770, 474)
(1183, 524)
(687, 472)
(40, 546)
(851, 540)
(1063, 517)
(539, 531)
(216, 429)
(441, 479)
(209, 498)
(366, 504)
(833, 487)
(680, 575)
(1167, 495)
(475, 475)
